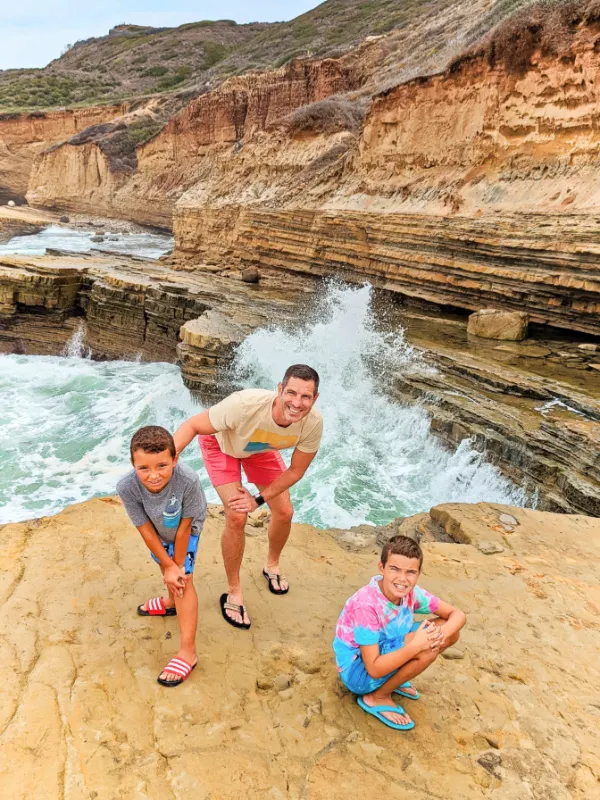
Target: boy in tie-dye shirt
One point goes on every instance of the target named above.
(378, 646)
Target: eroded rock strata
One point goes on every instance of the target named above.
(496, 393)
(134, 307)
(509, 713)
(80, 176)
(24, 136)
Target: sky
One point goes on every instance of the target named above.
(33, 32)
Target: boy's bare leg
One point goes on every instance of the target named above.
(279, 530)
(187, 616)
(170, 602)
(383, 695)
(233, 541)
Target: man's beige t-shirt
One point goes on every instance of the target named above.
(245, 425)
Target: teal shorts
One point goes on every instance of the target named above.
(190, 559)
(357, 679)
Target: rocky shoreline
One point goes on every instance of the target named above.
(530, 406)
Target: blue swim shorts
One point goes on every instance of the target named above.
(190, 558)
(357, 679)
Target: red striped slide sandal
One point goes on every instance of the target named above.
(155, 607)
(176, 666)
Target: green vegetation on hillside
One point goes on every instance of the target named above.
(134, 61)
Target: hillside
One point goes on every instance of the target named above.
(133, 61)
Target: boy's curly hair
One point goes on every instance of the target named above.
(152, 439)
(401, 546)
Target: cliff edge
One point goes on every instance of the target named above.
(512, 712)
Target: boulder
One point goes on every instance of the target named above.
(250, 275)
(64, 219)
(492, 323)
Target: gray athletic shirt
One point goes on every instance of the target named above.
(181, 498)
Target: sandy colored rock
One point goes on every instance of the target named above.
(81, 714)
(491, 323)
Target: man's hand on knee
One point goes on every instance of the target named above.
(243, 502)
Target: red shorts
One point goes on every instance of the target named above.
(260, 468)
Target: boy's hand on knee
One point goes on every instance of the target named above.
(174, 578)
(428, 637)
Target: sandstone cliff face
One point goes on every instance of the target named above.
(409, 206)
(79, 177)
(25, 136)
(510, 713)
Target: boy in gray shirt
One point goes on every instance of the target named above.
(165, 501)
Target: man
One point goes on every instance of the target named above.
(247, 429)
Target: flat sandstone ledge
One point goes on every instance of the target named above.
(511, 713)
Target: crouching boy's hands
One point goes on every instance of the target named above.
(428, 636)
(174, 577)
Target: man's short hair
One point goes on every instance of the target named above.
(302, 371)
(401, 546)
(152, 439)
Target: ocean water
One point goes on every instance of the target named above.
(67, 422)
(76, 240)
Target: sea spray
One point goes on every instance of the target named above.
(76, 346)
(378, 458)
(67, 422)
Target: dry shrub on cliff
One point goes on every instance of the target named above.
(326, 116)
(120, 146)
(546, 26)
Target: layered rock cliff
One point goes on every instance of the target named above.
(80, 177)
(510, 712)
(25, 136)
(471, 188)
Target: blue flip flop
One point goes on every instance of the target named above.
(376, 711)
(407, 685)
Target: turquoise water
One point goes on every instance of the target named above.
(67, 422)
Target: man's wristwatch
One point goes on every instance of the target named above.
(259, 500)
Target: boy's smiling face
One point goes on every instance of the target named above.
(154, 469)
(400, 575)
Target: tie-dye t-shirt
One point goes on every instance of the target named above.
(370, 618)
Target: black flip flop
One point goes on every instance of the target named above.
(272, 576)
(225, 604)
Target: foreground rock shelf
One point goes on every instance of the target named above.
(511, 713)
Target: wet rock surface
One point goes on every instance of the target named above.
(135, 307)
(490, 323)
(510, 712)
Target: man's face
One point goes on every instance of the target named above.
(400, 576)
(295, 399)
(154, 469)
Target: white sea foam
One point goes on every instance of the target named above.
(67, 422)
(76, 346)
(378, 459)
(78, 240)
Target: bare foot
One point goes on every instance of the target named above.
(186, 655)
(387, 700)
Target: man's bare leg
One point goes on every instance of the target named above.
(279, 530)
(187, 616)
(383, 695)
(233, 541)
